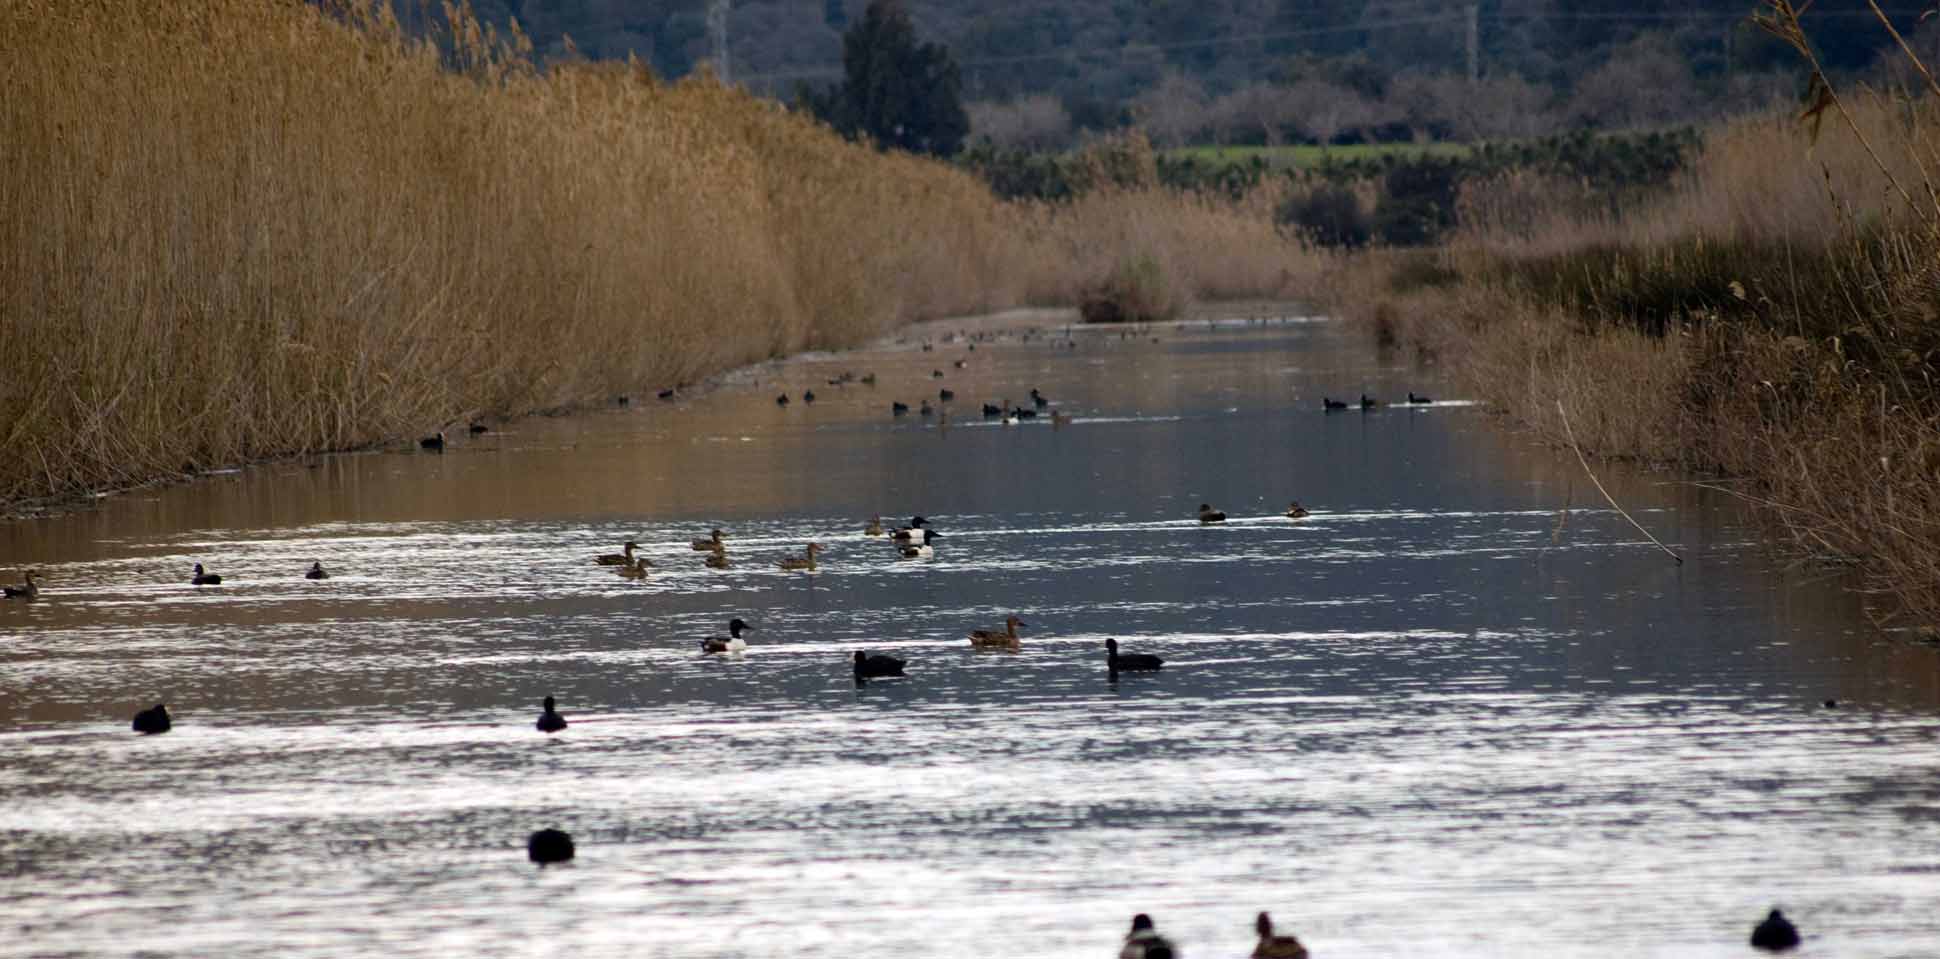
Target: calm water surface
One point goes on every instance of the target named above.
(1462, 710)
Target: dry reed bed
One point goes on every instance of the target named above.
(1774, 320)
(237, 229)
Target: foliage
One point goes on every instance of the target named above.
(895, 92)
(1330, 215)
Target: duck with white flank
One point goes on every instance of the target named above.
(148, 722)
(28, 589)
(992, 639)
(732, 643)
(1297, 511)
(1130, 662)
(715, 541)
(316, 572)
(1209, 515)
(911, 549)
(1369, 402)
(623, 558)
(1418, 400)
(805, 563)
(874, 528)
(1144, 942)
(869, 667)
(1275, 947)
(203, 578)
(550, 721)
(916, 523)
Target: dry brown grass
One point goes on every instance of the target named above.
(236, 229)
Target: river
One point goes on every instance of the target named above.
(1463, 709)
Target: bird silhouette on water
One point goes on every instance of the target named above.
(28, 589)
(148, 722)
(435, 442)
(1775, 934)
(1116, 663)
(316, 572)
(869, 667)
(1275, 947)
(549, 846)
(550, 721)
(204, 578)
(1144, 942)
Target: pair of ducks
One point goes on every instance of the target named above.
(630, 566)
(1209, 516)
(1144, 942)
(912, 541)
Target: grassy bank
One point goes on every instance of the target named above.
(1772, 319)
(243, 228)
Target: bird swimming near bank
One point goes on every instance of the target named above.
(434, 442)
(1330, 404)
(204, 578)
(550, 721)
(898, 408)
(732, 643)
(666, 394)
(715, 540)
(936, 374)
(148, 722)
(875, 526)
(1038, 399)
(549, 846)
(477, 428)
(28, 589)
(316, 572)
(1129, 662)
(913, 549)
(781, 400)
(1418, 400)
(1369, 402)
(928, 410)
(992, 409)
(1209, 515)
(1144, 942)
(993, 639)
(808, 396)
(1275, 947)
(804, 562)
(1775, 934)
(1297, 511)
(622, 558)
(876, 667)
(945, 396)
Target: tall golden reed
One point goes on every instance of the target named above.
(233, 229)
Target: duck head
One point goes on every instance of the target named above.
(1141, 922)
(1263, 925)
(736, 627)
(549, 704)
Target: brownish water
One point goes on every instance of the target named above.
(1461, 710)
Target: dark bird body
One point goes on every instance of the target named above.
(434, 443)
(316, 572)
(1129, 662)
(876, 667)
(1275, 947)
(549, 846)
(550, 721)
(1418, 400)
(1209, 515)
(28, 589)
(1775, 934)
(202, 578)
(148, 722)
(1330, 404)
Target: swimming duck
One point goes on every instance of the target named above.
(732, 643)
(1412, 398)
(1775, 934)
(477, 428)
(868, 379)
(936, 374)
(909, 532)
(1369, 402)
(1330, 404)
(666, 394)
(622, 400)
(945, 396)
(435, 443)
(1144, 942)
(623, 558)
(548, 846)
(960, 364)
(992, 639)
(928, 410)
(808, 396)
(714, 541)
(915, 550)
(1038, 400)
(316, 572)
(1275, 947)
(805, 562)
(717, 559)
(1209, 515)
(991, 409)
(550, 721)
(28, 589)
(1296, 511)
(876, 667)
(148, 722)
(874, 528)
(781, 400)
(898, 408)
(1024, 414)
(204, 578)
(634, 570)
(1131, 662)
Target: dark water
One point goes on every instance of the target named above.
(1462, 710)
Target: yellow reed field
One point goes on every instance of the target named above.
(235, 229)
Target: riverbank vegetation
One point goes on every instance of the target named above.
(241, 229)
(1773, 319)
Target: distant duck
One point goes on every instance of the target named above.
(624, 558)
(911, 549)
(1775, 934)
(808, 396)
(1038, 400)
(202, 578)
(477, 428)
(781, 400)
(715, 540)
(718, 559)
(434, 443)
(805, 562)
(1209, 515)
(991, 409)
(936, 374)
(1297, 511)
(634, 570)
(622, 400)
(1330, 404)
(928, 410)
(874, 528)
(898, 408)
(549, 846)
(909, 532)
(1132, 662)
(316, 572)
(960, 364)
(148, 722)
(946, 395)
(876, 667)
(992, 639)
(732, 643)
(1144, 942)
(1418, 400)
(550, 721)
(868, 379)
(28, 589)
(1024, 413)
(1369, 402)
(667, 394)
(1010, 418)
(1275, 947)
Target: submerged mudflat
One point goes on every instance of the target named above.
(1460, 710)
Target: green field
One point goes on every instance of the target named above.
(1306, 155)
